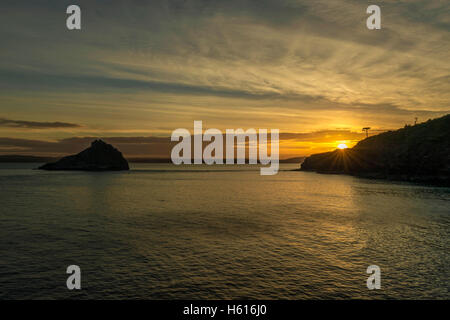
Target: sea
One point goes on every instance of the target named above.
(161, 231)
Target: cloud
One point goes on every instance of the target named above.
(160, 147)
(36, 125)
(323, 136)
(294, 64)
(130, 146)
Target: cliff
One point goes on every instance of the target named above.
(100, 156)
(418, 153)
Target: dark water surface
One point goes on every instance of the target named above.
(166, 232)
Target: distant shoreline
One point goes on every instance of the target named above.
(36, 159)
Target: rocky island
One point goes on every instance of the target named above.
(419, 153)
(100, 156)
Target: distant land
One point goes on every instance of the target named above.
(38, 159)
(168, 160)
(25, 158)
(418, 153)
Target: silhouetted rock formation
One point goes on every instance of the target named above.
(418, 153)
(100, 156)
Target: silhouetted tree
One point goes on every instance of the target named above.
(366, 129)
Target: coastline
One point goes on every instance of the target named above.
(428, 180)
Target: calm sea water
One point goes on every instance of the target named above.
(166, 232)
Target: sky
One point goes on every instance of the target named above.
(137, 70)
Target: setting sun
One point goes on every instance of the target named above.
(342, 146)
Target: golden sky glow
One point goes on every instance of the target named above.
(139, 70)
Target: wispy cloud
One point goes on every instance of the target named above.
(35, 124)
(296, 65)
(130, 146)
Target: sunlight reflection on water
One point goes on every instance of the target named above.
(160, 231)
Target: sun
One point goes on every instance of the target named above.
(342, 146)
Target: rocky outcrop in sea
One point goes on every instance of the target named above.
(100, 156)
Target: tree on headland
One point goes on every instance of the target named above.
(366, 129)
